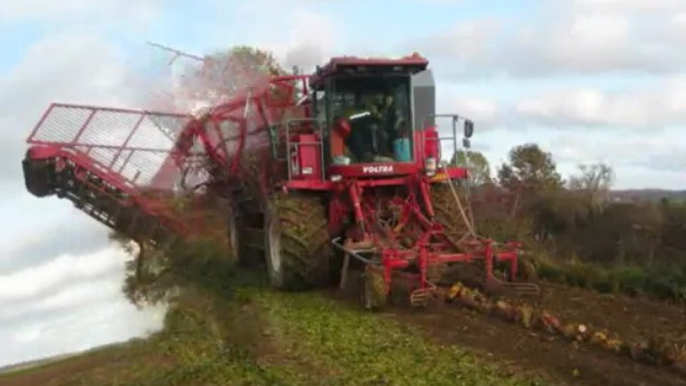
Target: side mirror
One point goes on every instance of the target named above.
(468, 128)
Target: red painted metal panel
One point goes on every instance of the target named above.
(414, 61)
(308, 158)
(105, 134)
(369, 170)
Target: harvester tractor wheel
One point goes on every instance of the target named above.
(38, 177)
(373, 295)
(297, 245)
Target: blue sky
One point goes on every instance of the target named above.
(589, 80)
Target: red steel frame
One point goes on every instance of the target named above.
(74, 144)
(431, 246)
(79, 155)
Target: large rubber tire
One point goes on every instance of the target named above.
(38, 177)
(298, 249)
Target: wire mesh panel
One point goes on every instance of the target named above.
(132, 144)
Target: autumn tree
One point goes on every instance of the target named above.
(225, 74)
(529, 168)
(593, 182)
(476, 163)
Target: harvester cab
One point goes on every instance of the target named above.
(367, 108)
(374, 118)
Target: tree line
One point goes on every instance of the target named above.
(573, 229)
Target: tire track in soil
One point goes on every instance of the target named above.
(523, 351)
(631, 317)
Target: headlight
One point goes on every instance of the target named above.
(430, 166)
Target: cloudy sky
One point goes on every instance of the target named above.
(589, 80)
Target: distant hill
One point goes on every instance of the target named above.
(35, 363)
(53, 359)
(652, 195)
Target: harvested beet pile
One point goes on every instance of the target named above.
(657, 350)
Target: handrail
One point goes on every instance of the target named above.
(455, 118)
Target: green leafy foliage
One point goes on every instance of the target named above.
(476, 163)
(586, 239)
(593, 183)
(365, 349)
(529, 168)
(157, 276)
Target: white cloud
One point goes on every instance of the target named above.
(484, 112)
(676, 29)
(624, 6)
(576, 37)
(309, 40)
(294, 33)
(104, 322)
(39, 239)
(38, 10)
(451, 2)
(651, 107)
(28, 334)
(640, 160)
(467, 41)
(68, 68)
(481, 109)
(40, 280)
(61, 67)
(624, 149)
(45, 309)
(592, 42)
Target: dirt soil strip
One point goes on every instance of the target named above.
(629, 317)
(563, 362)
(524, 350)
